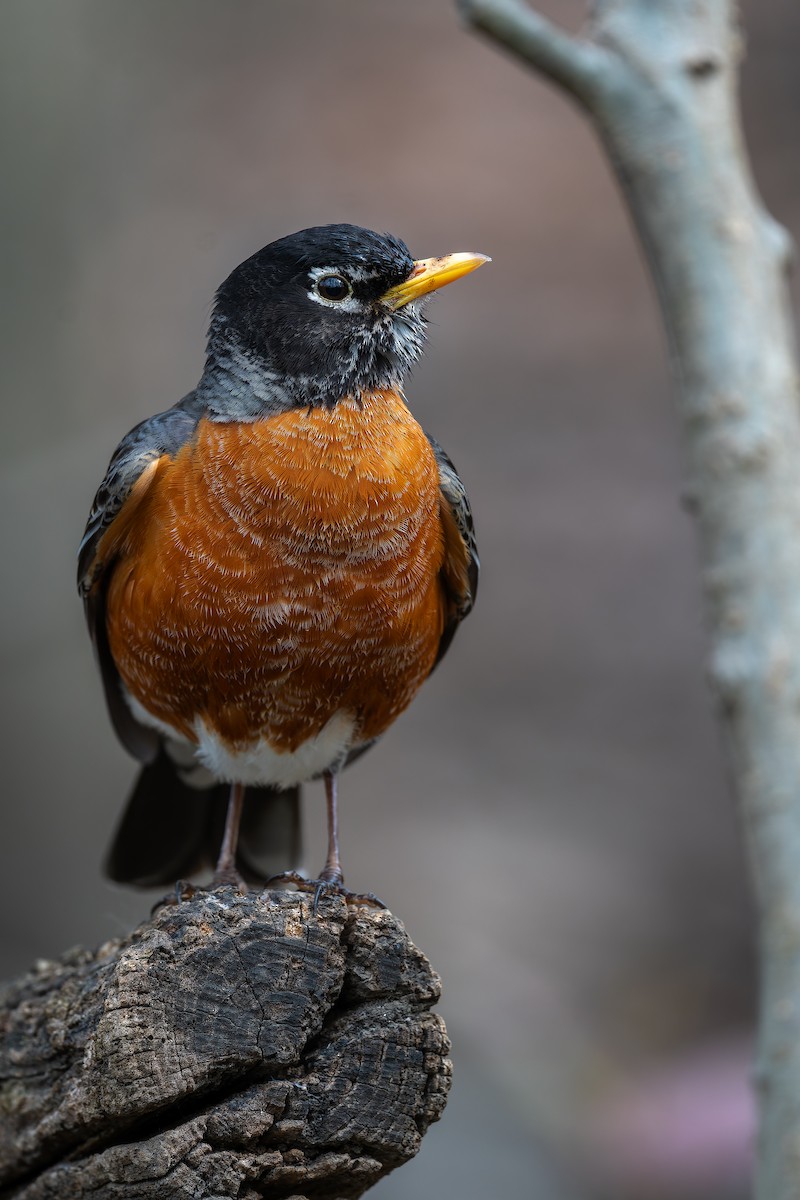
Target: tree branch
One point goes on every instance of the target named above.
(234, 1046)
(670, 124)
(578, 66)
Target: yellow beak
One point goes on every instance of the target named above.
(429, 274)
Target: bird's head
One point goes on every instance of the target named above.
(326, 313)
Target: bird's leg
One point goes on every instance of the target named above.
(332, 871)
(226, 873)
(331, 878)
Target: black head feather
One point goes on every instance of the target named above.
(276, 336)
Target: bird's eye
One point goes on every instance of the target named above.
(333, 287)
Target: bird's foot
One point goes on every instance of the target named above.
(227, 877)
(322, 886)
(184, 890)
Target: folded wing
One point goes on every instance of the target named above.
(461, 564)
(132, 472)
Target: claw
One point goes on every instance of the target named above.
(183, 890)
(320, 887)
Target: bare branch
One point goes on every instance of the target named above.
(578, 66)
(667, 114)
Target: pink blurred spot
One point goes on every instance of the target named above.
(682, 1128)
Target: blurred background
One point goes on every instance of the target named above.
(551, 819)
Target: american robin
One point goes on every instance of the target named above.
(272, 567)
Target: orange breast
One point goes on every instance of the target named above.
(282, 571)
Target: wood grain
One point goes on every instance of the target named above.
(233, 1046)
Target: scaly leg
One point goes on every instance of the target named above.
(332, 871)
(226, 873)
(331, 878)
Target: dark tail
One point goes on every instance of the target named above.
(171, 831)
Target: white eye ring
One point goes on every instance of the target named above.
(347, 303)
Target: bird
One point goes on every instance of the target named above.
(272, 567)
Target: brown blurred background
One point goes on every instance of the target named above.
(551, 818)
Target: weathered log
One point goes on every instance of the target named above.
(232, 1046)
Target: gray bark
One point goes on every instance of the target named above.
(233, 1046)
(659, 80)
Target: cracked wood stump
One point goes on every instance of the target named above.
(233, 1046)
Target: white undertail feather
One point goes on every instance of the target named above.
(210, 761)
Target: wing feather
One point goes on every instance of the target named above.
(461, 564)
(133, 469)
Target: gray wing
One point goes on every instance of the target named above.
(163, 434)
(462, 565)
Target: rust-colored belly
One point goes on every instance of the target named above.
(284, 571)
